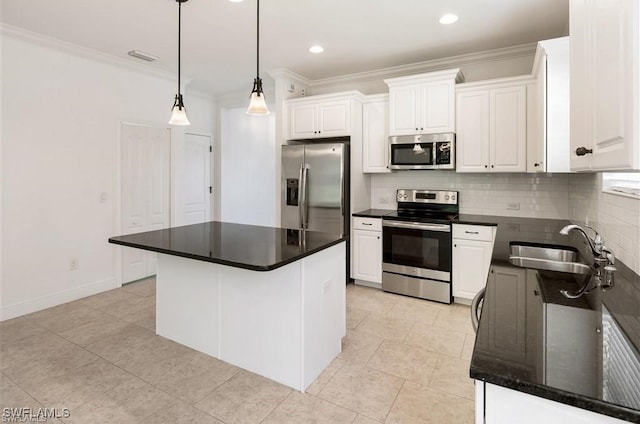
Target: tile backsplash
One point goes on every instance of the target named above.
(524, 195)
(617, 218)
(577, 197)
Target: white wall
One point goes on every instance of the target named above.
(617, 218)
(538, 195)
(248, 154)
(61, 114)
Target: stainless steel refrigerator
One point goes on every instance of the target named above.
(315, 184)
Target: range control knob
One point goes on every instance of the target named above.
(446, 197)
(453, 197)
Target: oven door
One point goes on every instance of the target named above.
(417, 249)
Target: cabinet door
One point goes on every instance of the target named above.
(472, 138)
(509, 312)
(579, 112)
(438, 107)
(536, 119)
(612, 82)
(471, 260)
(334, 119)
(302, 121)
(508, 129)
(375, 137)
(367, 249)
(404, 110)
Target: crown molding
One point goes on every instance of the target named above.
(74, 49)
(286, 74)
(431, 65)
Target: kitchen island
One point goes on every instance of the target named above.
(269, 300)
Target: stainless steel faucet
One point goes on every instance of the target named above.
(603, 268)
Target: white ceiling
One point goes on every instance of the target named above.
(218, 41)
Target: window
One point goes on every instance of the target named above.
(623, 184)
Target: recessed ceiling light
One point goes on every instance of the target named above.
(316, 49)
(448, 18)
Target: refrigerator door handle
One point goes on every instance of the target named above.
(301, 190)
(305, 202)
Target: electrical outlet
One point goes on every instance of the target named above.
(326, 286)
(73, 264)
(383, 199)
(514, 206)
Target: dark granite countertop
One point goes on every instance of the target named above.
(373, 213)
(536, 341)
(250, 247)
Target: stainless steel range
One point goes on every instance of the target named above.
(416, 240)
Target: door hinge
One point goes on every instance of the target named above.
(210, 189)
(210, 149)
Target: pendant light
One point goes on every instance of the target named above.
(257, 105)
(178, 112)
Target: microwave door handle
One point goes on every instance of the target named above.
(434, 153)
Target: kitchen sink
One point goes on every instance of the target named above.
(548, 257)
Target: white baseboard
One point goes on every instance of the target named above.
(58, 298)
(368, 284)
(462, 301)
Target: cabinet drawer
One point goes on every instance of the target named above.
(473, 232)
(370, 224)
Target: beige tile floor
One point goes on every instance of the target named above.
(403, 361)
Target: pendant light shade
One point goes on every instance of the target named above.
(257, 105)
(178, 111)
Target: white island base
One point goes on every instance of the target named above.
(286, 324)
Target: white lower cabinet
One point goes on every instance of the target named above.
(471, 258)
(367, 249)
(501, 405)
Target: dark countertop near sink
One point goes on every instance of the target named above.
(373, 213)
(250, 247)
(536, 341)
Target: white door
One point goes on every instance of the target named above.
(470, 262)
(197, 179)
(302, 120)
(334, 119)
(404, 110)
(438, 107)
(145, 173)
(472, 148)
(375, 136)
(508, 129)
(367, 247)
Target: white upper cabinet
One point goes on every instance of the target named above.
(548, 109)
(492, 126)
(605, 79)
(423, 104)
(314, 118)
(375, 134)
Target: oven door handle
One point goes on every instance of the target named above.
(417, 226)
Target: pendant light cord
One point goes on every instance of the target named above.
(258, 39)
(179, 41)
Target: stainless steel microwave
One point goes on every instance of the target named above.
(425, 151)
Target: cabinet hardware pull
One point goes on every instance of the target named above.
(581, 151)
(366, 223)
(486, 166)
(536, 164)
(378, 237)
(471, 232)
(536, 292)
(492, 166)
